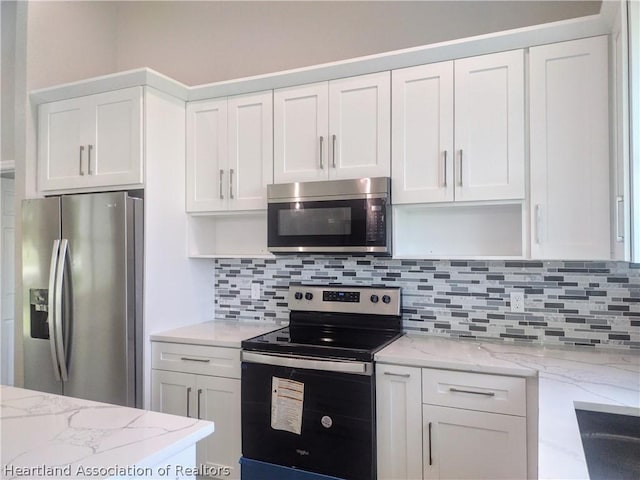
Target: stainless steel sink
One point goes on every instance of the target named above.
(610, 439)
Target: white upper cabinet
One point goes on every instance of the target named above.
(91, 142)
(301, 116)
(229, 153)
(489, 126)
(206, 155)
(360, 126)
(459, 130)
(570, 150)
(333, 130)
(423, 134)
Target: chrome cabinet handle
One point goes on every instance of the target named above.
(445, 169)
(334, 152)
(403, 375)
(460, 167)
(199, 394)
(188, 395)
(430, 457)
(52, 309)
(538, 224)
(89, 148)
(220, 184)
(619, 203)
(60, 347)
(80, 160)
(486, 394)
(231, 183)
(321, 142)
(201, 360)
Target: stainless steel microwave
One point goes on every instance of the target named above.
(336, 216)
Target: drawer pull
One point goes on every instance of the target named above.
(404, 375)
(201, 360)
(486, 394)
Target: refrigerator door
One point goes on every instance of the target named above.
(40, 233)
(100, 283)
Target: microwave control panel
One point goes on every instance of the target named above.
(376, 224)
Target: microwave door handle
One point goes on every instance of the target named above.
(60, 278)
(52, 309)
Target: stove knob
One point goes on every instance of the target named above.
(308, 295)
(386, 298)
(298, 296)
(374, 298)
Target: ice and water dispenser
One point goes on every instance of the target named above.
(39, 312)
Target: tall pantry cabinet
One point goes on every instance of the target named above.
(569, 135)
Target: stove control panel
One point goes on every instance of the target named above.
(338, 296)
(342, 299)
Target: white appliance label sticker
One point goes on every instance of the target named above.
(287, 398)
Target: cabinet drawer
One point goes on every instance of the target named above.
(474, 391)
(205, 360)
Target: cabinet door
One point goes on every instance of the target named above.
(114, 141)
(219, 401)
(92, 141)
(250, 134)
(423, 134)
(489, 126)
(300, 130)
(398, 422)
(570, 150)
(206, 163)
(61, 153)
(360, 126)
(463, 444)
(173, 392)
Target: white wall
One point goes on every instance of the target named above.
(203, 42)
(7, 81)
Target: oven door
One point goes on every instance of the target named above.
(307, 418)
(347, 225)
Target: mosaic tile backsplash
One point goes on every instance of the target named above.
(595, 304)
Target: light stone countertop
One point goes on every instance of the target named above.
(215, 333)
(53, 430)
(566, 375)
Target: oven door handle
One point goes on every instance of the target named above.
(358, 368)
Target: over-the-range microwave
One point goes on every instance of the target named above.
(335, 216)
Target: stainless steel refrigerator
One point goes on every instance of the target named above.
(82, 296)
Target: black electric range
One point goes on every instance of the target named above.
(350, 323)
(308, 393)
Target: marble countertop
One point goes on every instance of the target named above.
(53, 430)
(215, 333)
(565, 376)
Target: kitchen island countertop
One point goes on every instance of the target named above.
(86, 439)
(565, 376)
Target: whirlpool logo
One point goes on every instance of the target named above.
(302, 452)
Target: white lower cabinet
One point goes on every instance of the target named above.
(193, 381)
(399, 430)
(441, 424)
(465, 444)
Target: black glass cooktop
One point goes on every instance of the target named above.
(326, 341)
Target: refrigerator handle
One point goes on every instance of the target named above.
(60, 347)
(51, 309)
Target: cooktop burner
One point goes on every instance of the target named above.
(335, 322)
